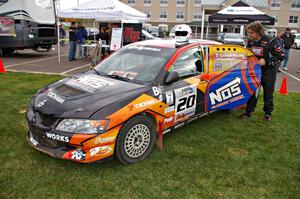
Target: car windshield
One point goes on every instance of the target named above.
(147, 34)
(136, 63)
(173, 30)
(297, 37)
(232, 36)
(153, 29)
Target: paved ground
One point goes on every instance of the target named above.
(47, 62)
(293, 78)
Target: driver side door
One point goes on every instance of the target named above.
(183, 96)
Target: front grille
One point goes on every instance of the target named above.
(45, 32)
(40, 136)
(45, 120)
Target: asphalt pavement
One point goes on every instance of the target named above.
(47, 63)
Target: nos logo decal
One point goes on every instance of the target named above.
(227, 96)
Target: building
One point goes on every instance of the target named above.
(171, 12)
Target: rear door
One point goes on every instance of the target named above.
(234, 76)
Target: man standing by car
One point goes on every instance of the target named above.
(288, 41)
(82, 37)
(62, 35)
(269, 54)
(72, 41)
(280, 42)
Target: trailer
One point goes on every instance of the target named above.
(26, 24)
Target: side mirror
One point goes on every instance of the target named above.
(172, 77)
(205, 77)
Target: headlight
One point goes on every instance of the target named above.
(82, 126)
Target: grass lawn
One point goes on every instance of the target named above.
(218, 156)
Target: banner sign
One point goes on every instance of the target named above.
(116, 39)
(224, 57)
(7, 26)
(132, 33)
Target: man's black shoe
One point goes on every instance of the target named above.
(245, 115)
(268, 118)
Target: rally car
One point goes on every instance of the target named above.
(125, 105)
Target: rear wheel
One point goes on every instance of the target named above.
(135, 140)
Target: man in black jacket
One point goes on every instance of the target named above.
(288, 41)
(72, 41)
(269, 54)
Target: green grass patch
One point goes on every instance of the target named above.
(217, 156)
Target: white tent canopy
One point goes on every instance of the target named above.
(103, 10)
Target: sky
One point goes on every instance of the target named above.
(70, 3)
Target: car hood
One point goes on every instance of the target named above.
(81, 96)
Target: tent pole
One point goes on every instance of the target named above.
(94, 24)
(242, 31)
(122, 33)
(202, 24)
(207, 33)
(58, 43)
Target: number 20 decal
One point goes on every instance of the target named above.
(186, 103)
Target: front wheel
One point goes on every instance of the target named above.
(135, 140)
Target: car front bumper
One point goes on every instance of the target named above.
(87, 150)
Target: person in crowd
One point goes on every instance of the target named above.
(82, 37)
(72, 41)
(288, 41)
(281, 43)
(62, 35)
(103, 35)
(269, 54)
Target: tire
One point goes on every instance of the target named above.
(48, 48)
(6, 51)
(132, 146)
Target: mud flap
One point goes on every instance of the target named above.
(159, 140)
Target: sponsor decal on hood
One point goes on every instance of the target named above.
(56, 97)
(89, 83)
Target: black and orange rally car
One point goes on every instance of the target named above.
(144, 90)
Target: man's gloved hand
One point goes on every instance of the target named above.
(262, 62)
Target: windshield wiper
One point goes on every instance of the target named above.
(126, 79)
(97, 72)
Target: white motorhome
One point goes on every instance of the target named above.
(34, 24)
(297, 40)
(271, 33)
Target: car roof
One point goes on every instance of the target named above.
(231, 33)
(171, 43)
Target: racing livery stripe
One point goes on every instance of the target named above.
(137, 106)
(78, 139)
(96, 141)
(252, 67)
(244, 76)
(213, 81)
